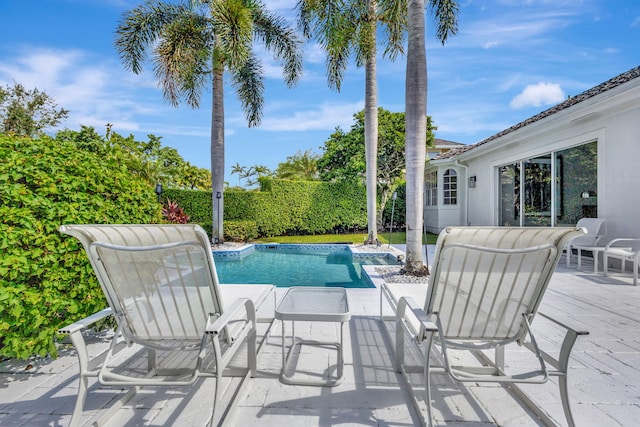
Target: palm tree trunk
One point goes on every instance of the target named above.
(371, 141)
(217, 154)
(415, 133)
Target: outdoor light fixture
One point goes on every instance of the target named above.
(472, 181)
(217, 238)
(159, 190)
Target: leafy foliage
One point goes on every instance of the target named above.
(283, 207)
(45, 278)
(148, 160)
(344, 154)
(174, 214)
(302, 166)
(27, 112)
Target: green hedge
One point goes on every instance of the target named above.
(282, 207)
(45, 278)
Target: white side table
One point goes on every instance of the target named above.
(595, 250)
(313, 304)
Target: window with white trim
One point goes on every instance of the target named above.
(431, 189)
(450, 187)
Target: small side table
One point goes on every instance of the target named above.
(313, 304)
(595, 250)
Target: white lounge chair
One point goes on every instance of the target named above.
(484, 290)
(173, 326)
(624, 250)
(596, 228)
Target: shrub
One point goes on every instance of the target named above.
(45, 278)
(174, 214)
(240, 231)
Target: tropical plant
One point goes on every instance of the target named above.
(240, 170)
(302, 166)
(27, 112)
(445, 14)
(173, 213)
(195, 42)
(344, 28)
(343, 155)
(45, 278)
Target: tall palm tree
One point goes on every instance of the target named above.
(194, 43)
(345, 27)
(445, 14)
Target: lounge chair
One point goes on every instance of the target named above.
(173, 326)
(483, 293)
(624, 250)
(595, 230)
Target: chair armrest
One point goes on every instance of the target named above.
(87, 321)
(563, 325)
(221, 322)
(621, 240)
(426, 325)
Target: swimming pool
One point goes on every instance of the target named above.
(286, 265)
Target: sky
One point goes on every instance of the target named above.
(510, 60)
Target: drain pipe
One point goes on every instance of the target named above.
(466, 186)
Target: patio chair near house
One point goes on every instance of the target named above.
(173, 326)
(624, 250)
(484, 291)
(596, 229)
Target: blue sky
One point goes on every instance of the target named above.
(510, 60)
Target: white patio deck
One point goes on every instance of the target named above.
(604, 376)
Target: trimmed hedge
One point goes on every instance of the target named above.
(281, 207)
(45, 278)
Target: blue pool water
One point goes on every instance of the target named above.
(298, 265)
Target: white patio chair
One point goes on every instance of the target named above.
(484, 290)
(172, 326)
(624, 250)
(596, 228)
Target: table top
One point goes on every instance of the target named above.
(314, 304)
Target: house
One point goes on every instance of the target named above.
(441, 146)
(580, 158)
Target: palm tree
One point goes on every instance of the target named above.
(445, 14)
(195, 42)
(240, 170)
(349, 27)
(302, 166)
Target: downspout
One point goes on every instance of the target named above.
(466, 186)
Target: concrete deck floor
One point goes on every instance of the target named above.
(604, 375)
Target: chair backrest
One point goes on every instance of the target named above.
(596, 228)
(159, 280)
(484, 279)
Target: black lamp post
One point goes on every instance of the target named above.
(394, 196)
(217, 238)
(159, 191)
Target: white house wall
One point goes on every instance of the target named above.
(611, 118)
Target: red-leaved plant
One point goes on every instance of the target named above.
(174, 213)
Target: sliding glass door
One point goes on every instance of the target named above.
(553, 189)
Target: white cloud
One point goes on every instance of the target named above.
(542, 93)
(325, 117)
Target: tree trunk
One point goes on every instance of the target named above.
(217, 155)
(415, 133)
(371, 133)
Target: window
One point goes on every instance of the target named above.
(431, 189)
(556, 188)
(450, 187)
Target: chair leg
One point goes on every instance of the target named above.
(427, 380)
(83, 384)
(563, 367)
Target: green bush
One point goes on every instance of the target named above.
(240, 231)
(283, 207)
(45, 278)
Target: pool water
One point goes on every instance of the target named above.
(298, 265)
